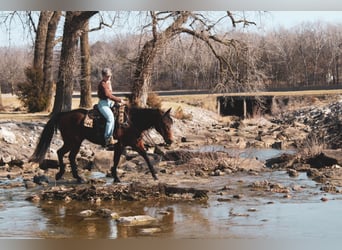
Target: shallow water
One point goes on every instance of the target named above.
(255, 215)
(262, 154)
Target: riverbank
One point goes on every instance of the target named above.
(206, 145)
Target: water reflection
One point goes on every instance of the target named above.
(64, 220)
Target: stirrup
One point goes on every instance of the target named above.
(110, 141)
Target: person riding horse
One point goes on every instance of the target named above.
(105, 104)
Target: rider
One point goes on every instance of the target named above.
(106, 98)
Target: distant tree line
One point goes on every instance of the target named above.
(307, 55)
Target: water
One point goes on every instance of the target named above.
(262, 154)
(256, 215)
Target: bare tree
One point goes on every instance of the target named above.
(73, 29)
(148, 53)
(195, 24)
(1, 104)
(85, 100)
(40, 42)
(51, 41)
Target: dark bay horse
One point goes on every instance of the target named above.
(73, 132)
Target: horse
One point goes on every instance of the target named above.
(74, 132)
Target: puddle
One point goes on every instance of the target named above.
(254, 215)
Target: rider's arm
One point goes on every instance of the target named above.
(108, 93)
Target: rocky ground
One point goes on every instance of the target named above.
(313, 131)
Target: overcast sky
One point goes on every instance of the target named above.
(289, 19)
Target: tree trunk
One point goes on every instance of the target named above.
(48, 60)
(85, 100)
(143, 74)
(1, 104)
(39, 45)
(144, 68)
(74, 23)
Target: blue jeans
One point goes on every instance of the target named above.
(104, 107)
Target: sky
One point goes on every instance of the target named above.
(267, 21)
(289, 19)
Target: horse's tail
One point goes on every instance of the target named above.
(45, 139)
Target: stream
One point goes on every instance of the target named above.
(270, 216)
(302, 214)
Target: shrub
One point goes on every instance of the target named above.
(31, 92)
(179, 114)
(153, 100)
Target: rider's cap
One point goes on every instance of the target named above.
(106, 72)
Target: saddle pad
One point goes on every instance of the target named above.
(88, 122)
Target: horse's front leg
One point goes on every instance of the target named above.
(141, 150)
(118, 149)
(61, 152)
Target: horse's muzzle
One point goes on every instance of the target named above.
(168, 141)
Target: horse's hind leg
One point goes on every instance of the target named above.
(72, 158)
(61, 152)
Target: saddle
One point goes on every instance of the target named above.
(94, 118)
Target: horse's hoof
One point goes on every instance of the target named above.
(116, 180)
(80, 180)
(58, 176)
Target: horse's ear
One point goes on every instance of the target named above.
(167, 113)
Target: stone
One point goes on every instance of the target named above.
(7, 136)
(86, 213)
(137, 220)
(148, 231)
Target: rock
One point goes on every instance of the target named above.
(321, 161)
(114, 216)
(30, 184)
(67, 199)
(292, 173)
(252, 209)
(199, 172)
(137, 220)
(105, 213)
(40, 179)
(324, 199)
(33, 198)
(280, 161)
(148, 231)
(16, 162)
(86, 213)
(7, 136)
(5, 159)
(277, 145)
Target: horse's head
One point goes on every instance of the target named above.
(163, 127)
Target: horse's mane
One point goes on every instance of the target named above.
(144, 117)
